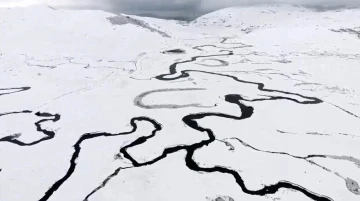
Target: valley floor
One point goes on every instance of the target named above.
(145, 109)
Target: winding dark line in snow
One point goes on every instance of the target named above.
(274, 152)
(222, 63)
(190, 120)
(350, 113)
(13, 90)
(272, 189)
(49, 117)
(350, 31)
(20, 112)
(173, 66)
(138, 99)
(42, 66)
(246, 112)
(351, 184)
(48, 134)
(223, 41)
(88, 136)
(226, 48)
(261, 87)
(103, 184)
(346, 158)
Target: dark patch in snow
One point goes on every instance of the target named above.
(353, 186)
(307, 83)
(223, 198)
(138, 100)
(52, 8)
(174, 51)
(121, 20)
(284, 61)
(350, 31)
(249, 29)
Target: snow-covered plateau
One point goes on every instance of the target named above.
(242, 104)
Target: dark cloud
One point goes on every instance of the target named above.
(157, 8)
(185, 9)
(209, 5)
(190, 9)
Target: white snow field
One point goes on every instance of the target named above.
(242, 104)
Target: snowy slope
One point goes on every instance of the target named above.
(275, 16)
(81, 32)
(251, 103)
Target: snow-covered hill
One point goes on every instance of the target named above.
(248, 103)
(35, 30)
(275, 16)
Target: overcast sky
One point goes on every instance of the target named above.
(171, 8)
